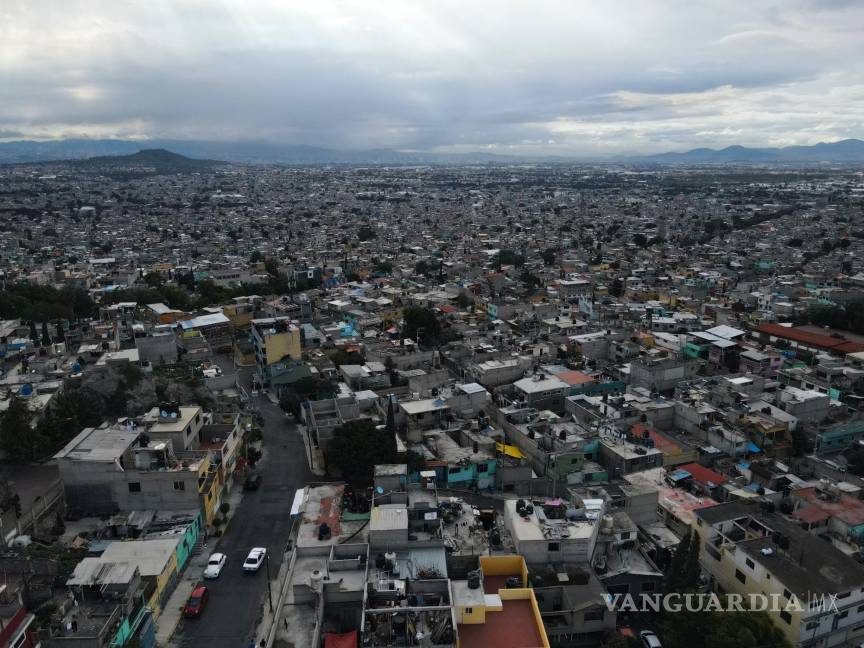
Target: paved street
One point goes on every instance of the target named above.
(237, 598)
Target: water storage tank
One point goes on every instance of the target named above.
(316, 580)
(608, 524)
(390, 560)
(474, 579)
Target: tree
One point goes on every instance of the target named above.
(421, 324)
(640, 240)
(70, 411)
(548, 256)
(34, 334)
(795, 242)
(59, 334)
(366, 233)
(342, 357)
(255, 257)
(357, 447)
(46, 336)
(416, 462)
(509, 257)
(464, 300)
(617, 287)
(721, 630)
(683, 572)
(800, 442)
(382, 267)
(16, 435)
(614, 640)
(529, 279)
(154, 279)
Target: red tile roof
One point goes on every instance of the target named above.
(811, 514)
(703, 475)
(574, 377)
(845, 508)
(663, 443)
(513, 627)
(825, 342)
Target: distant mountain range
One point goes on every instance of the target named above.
(24, 151)
(159, 160)
(844, 151)
(848, 150)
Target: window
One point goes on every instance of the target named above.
(596, 614)
(840, 597)
(786, 616)
(750, 563)
(19, 641)
(469, 610)
(842, 615)
(134, 487)
(574, 460)
(482, 468)
(740, 576)
(861, 608)
(179, 486)
(812, 625)
(787, 594)
(554, 546)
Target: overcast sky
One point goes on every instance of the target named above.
(513, 76)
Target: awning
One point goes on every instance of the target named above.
(752, 447)
(509, 450)
(347, 640)
(679, 475)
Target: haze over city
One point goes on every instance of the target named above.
(541, 78)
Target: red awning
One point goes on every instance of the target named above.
(347, 640)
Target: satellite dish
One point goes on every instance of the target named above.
(379, 490)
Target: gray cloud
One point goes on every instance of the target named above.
(546, 77)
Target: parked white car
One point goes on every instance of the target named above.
(254, 559)
(214, 565)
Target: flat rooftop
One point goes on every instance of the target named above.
(150, 556)
(531, 527)
(514, 627)
(324, 504)
(166, 425)
(98, 444)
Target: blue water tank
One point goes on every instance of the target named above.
(27, 390)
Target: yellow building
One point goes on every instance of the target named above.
(489, 613)
(275, 338)
(209, 487)
(813, 591)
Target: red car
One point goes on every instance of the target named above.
(197, 601)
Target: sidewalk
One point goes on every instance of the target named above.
(172, 613)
